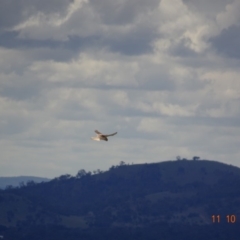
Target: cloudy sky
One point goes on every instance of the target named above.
(164, 74)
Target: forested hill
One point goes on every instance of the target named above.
(166, 198)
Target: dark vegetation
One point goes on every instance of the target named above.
(168, 200)
(14, 181)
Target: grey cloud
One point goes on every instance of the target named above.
(228, 42)
(192, 83)
(154, 77)
(13, 12)
(74, 111)
(56, 54)
(130, 112)
(20, 93)
(49, 49)
(150, 77)
(205, 121)
(10, 39)
(121, 12)
(207, 7)
(180, 49)
(134, 41)
(24, 89)
(14, 125)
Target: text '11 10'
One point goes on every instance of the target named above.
(227, 218)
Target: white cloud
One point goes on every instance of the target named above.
(44, 26)
(179, 22)
(89, 71)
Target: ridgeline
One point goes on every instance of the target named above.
(181, 200)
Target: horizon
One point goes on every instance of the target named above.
(125, 163)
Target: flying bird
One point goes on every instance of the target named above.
(101, 136)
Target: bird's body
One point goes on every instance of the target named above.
(101, 136)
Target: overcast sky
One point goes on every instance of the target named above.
(164, 74)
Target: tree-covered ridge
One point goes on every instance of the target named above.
(21, 180)
(127, 196)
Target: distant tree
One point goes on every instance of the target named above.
(122, 163)
(178, 158)
(112, 168)
(22, 184)
(195, 158)
(30, 183)
(64, 177)
(99, 171)
(81, 173)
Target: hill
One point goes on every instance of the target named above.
(15, 181)
(170, 198)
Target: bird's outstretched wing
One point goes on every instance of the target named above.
(110, 134)
(97, 132)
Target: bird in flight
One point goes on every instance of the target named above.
(101, 136)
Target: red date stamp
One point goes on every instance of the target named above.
(228, 218)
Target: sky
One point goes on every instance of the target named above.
(164, 74)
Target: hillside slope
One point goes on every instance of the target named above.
(185, 193)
